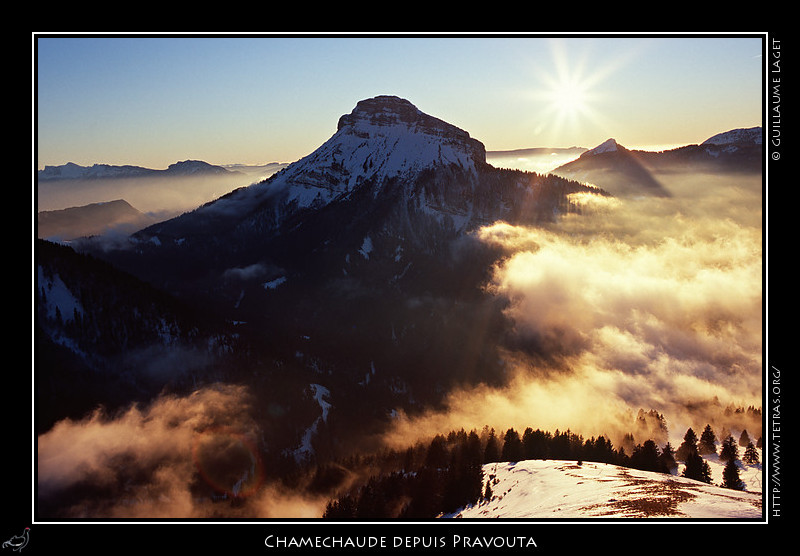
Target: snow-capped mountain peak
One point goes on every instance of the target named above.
(389, 117)
(609, 145)
(381, 138)
(752, 136)
(390, 173)
(72, 171)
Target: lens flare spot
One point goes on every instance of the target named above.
(228, 461)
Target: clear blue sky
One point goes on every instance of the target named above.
(151, 101)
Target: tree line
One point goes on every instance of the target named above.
(692, 450)
(446, 475)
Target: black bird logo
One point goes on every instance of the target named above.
(18, 542)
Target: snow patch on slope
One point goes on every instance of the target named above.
(751, 135)
(321, 396)
(565, 489)
(272, 284)
(366, 247)
(59, 297)
(610, 145)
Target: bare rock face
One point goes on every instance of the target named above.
(382, 110)
(371, 115)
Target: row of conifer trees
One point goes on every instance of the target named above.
(445, 475)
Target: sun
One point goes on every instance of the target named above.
(569, 94)
(566, 104)
(569, 98)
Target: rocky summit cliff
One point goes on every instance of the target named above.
(431, 139)
(384, 139)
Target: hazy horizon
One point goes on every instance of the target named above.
(490, 153)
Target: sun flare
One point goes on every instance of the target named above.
(569, 98)
(568, 103)
(570, 94)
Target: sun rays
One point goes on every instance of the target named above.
(569, 102)
(571, 94)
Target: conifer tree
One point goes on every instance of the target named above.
(487, 493)
(646, 457)
(708, 442)
(623, 459)
(474, 453)
(744, 439)
(604, 450)
(628, 442)
(528, 446)
(688, 445)
(729, 450)
(343, 508)
(426, 494)
(473, 457)
(730, 476)
(535, 444)
(491, 453)
(750, 455)
(512, 446)
(437, 455)
(696, 467)
(464, 476)
(667, 458)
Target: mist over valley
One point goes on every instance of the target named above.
(269, 344)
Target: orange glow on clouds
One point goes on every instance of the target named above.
(635, 304)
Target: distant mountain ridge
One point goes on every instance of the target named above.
(630, 173)
(72, 171)
(536, 151)
(92, 219)
(737, 138)
(744, 136)
(614, 168)
(608, 146)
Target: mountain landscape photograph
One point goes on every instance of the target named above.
(409, 292)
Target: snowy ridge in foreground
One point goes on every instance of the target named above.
(564, 489)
